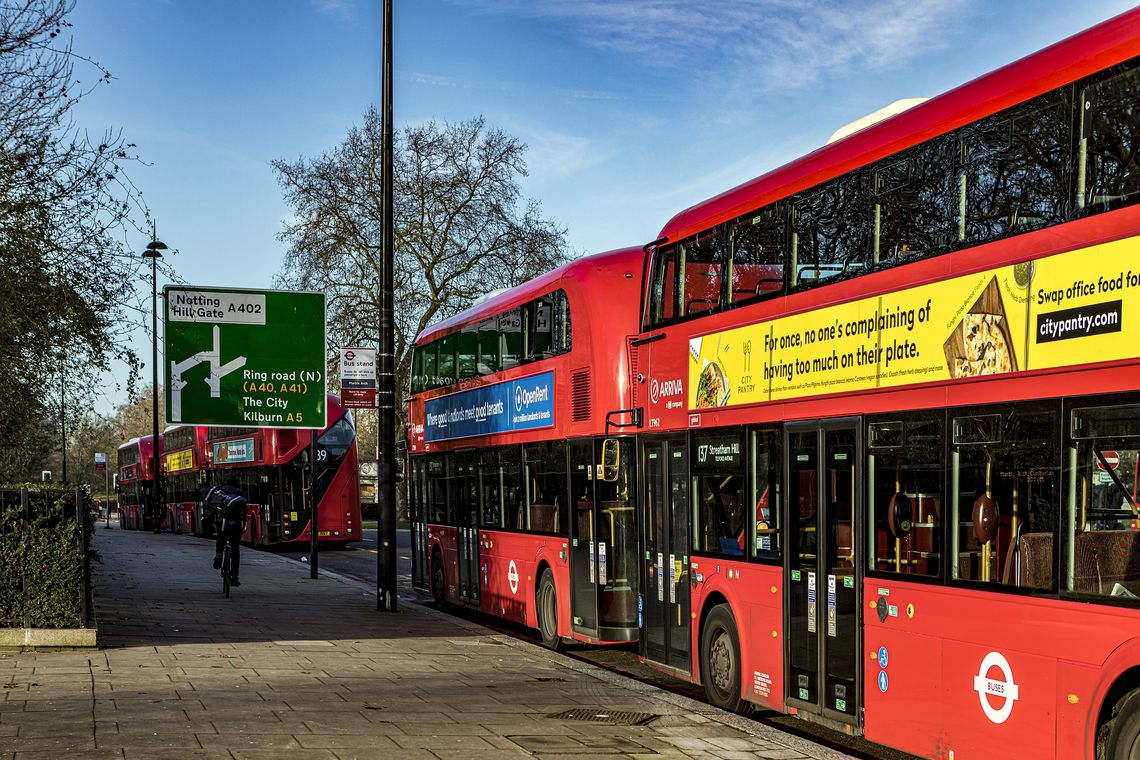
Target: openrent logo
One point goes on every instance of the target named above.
(524, 398)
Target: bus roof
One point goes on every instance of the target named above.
(630, 259)
(1087, 52)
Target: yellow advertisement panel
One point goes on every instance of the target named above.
(182, 460)
(1057, 311)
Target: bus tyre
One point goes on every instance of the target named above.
(437, 579)
(1124, 730)
(720, 660)
(548, 611)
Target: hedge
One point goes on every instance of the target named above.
(43, 579)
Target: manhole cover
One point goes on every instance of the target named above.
(608, 717)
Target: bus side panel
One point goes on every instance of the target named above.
(554, 551)
(748, 590)
(510, 562)
(762, 658)
(904, 708)
(1020, 672)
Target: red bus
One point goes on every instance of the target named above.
(136, 482)
(521, 505)
(899, 498)
(184, 470)
(272, 466)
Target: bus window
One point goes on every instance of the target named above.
(430, 366)
(915, 203)
(704, 259)
(904, 484)
(663, 287)
(1005, 479)
(546, 488)
(1110, 141)
(719, 510)
(757, 263)
(417, 374)
(511, 338)
(489, 346)
(540, 329)
(1103, 536)
(833, 230)
(767, 462)
(446, 360)
(467, 352)
(1014, 169)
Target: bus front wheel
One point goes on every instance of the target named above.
(1123, 731)
(548, 611)
(720, 660)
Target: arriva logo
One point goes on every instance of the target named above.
(524, 398)
(667, 389)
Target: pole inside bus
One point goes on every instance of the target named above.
(386, 429)
(313, 504)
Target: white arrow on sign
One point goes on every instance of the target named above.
(213, 380)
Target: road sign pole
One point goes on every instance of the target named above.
(314, 510)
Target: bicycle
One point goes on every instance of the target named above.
(227, 567)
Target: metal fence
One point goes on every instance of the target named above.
(45, 565)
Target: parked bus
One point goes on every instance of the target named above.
(273, 469)
(184, 470)
(521, 506)
(136, 482)
(900, 495)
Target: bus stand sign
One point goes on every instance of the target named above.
(244, 358)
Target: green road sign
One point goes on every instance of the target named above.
(244, 358)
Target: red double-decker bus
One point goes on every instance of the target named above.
(136, 482)
(522, 493)
(184, 470)
(900, 495)
(273, 469)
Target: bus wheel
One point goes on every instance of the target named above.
(548, 612)
(720, 660)
(437, 581)
(1124, 729)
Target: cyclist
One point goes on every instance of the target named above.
(229, 506)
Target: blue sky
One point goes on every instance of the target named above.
(632, 109)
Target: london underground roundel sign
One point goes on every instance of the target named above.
(1001, 691)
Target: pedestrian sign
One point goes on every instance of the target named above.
(244, 358)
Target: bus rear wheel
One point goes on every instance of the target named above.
(1123, 731)
(548, 611)
(720, 660)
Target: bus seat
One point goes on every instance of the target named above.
(544, 518)
(1104, 558)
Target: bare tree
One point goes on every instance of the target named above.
(462, 227)
(66, 277)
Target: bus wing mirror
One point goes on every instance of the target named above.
(611, 460)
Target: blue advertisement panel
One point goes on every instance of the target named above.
(230, 452)
(524, 404)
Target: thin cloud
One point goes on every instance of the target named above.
(346, 9)
(775, 44)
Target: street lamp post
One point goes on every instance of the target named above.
(152, 252)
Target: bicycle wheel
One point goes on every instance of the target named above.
(227, 563)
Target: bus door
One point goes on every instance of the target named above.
(822, 569)
(583, 539)
(667, 632)
(466, 495)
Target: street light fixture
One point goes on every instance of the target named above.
(153, 252)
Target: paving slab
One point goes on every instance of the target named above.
(290, 666)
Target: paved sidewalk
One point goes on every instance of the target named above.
(296, 668)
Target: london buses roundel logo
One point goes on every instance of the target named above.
(513, 577)
(991, 691)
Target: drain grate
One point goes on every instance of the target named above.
(608, 717)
